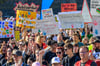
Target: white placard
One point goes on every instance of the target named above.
(47, 26)
(96, 26)
(71, 19)
(47, 13)
(95, 7)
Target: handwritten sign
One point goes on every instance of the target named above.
(26, 7)
(47, 13)
(17, 35)
(47, 27)
(95, 7)
(6, 29)
(96, 26)
(71, 19)
(26, 19)
(66, 7)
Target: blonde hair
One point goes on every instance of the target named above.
(84, 39)
(38, 39)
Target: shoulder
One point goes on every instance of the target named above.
(93, 64)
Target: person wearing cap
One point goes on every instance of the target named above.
(17, 56)
(55, 61)
(51, 53)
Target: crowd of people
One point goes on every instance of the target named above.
(71, 47)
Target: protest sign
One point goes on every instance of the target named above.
(95, 7)
(46, 27)
(65, 7)
(26, 7)
(26, 19)
(47, 13)
(6, 29)
(71, 20)
(86, 13)
(17, 35)
(96, 26)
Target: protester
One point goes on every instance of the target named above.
(84, 55)
(60, 53)
(70, 59)
(85, 41)
(50, 54)
(76, 40)
(17, 56)
(55, 61)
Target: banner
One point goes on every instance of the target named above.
(96, 26)
(26, 19)
(17, 35)
(71, 20)
(6, 29)
(26, 7)
(66, 7)
(47, 13)
(95, 7)
(47, 27)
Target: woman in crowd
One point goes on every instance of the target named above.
(76, 40)
(85, 41)
(40, 42)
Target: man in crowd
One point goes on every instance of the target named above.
(84, 54)
(17, 56)
(70, 59)
(50, 54)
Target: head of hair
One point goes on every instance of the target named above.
(69, 46)
(85, 48)
(62, 49)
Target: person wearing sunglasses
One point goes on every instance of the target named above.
(60, 52)
(70, 59)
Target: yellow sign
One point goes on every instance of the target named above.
(17, 35)
(25, 18)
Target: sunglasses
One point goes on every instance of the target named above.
(58, 52)
(65, 49)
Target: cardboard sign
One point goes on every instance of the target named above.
(95, 7)
(47, 27)
(96, 26)
(86, 13)
(26, 19)
(26, 7)
(71, 20)
(6, 29)
(66, 7)
(47, 13)
(17, 35)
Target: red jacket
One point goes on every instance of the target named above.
(88, 63)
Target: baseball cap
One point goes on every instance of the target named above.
(55, 60)
(17, 52)
(36, 64)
